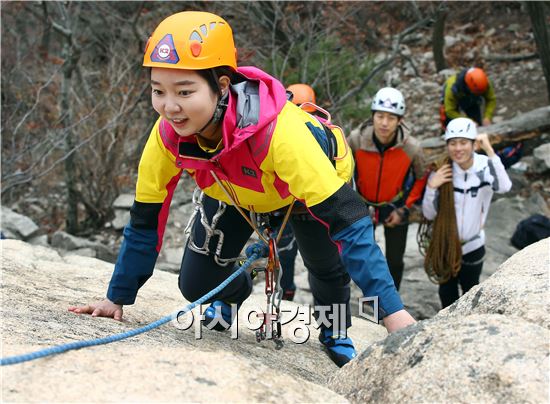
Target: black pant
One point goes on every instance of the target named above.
(200, 273)
(288, 257)
(468, 276)
(396, 242)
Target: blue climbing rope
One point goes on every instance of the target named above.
(253, 251)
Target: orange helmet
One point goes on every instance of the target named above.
(193, 40)
(476, 80)
(303, 93)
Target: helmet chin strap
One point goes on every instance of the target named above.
(221, 105)
(219, 112)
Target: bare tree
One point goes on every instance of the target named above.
(537, 13)
(438, 37)
(69, 108)
(70, 54)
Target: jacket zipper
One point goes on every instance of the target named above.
(464, 203)
(379, 176)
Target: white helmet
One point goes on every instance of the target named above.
(390, 100)
(461, 127)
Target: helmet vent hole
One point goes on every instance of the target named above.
(212, 26)
(204, 30)
(195, 36)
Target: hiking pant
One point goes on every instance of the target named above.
(468, 276)
(288, 249)
(396, 242)
(328, 278)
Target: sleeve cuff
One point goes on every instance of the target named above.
(118, 296)
(430, 191)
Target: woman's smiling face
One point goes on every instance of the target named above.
(461, 151)
(183, 98)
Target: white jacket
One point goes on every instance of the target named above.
(473, 190)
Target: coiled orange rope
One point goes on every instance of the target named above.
(439, 240)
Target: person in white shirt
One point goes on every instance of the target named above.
(475, 178)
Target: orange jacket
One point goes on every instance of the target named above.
(383, 178)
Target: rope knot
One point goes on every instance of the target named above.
(260, 249)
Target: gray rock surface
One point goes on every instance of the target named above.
(165, 364)
(477, 358)
(122, 217)
(39, 240)
(124, 201)
(492, 345)
(518, 289)
(17, 225)
(541, 158)
(122, 205)
(504, 215)
(474, 351)
(67, 242)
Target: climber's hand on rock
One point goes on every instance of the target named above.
(398, 320)
(104, 308)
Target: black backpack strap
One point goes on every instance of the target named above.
(333, 145)
(326, 139)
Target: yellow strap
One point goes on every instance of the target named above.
(287, 215)
(381, 204)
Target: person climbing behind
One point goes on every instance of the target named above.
(390, 173)
(303, 95)
(463, 95)
(232, 131)
(460, 214)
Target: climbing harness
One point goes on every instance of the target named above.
(254, 252)
(219, 182)
(260, 223)
(209, 228)
(289, 246)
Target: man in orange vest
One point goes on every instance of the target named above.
(390, 172)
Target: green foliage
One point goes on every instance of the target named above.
(332, 70)
(302, 42)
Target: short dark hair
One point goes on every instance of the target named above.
(210, 78)
(375, 111)
(212, 75)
